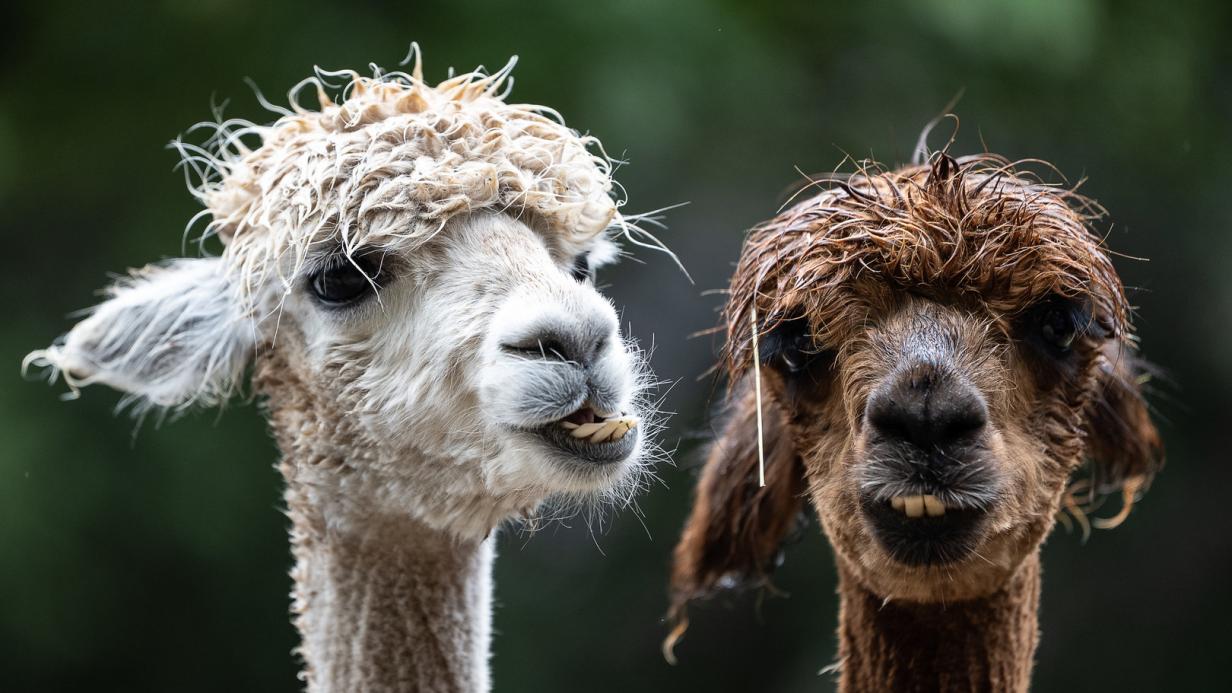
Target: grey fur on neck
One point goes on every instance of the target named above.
(395, 607)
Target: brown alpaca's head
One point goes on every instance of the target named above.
(942, 347)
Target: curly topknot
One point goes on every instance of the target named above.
(977, 226)
(388, 165)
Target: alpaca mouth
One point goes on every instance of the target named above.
(589, 436)
(586, 423)
(922, 529)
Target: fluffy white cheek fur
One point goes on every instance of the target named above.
(428, 374)
(417, 389)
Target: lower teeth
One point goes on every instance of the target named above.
(601, 431)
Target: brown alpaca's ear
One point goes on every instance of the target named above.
(1122, 442)
(733, 535)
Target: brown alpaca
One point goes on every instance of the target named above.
(941, 347)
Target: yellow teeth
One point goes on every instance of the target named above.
(918, 506)
(933, 507)
(627, 424)
(914, 506)
(602, 431)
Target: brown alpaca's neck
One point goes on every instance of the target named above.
(985, 644)
(391, 606)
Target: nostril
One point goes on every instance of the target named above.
(537, 348)
(889, 419)
(575, 348)
(578, 340)
(963, 420)
(596, 351)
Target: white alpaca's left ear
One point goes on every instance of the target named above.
(170, 335)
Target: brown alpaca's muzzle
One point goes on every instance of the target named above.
(927, 478)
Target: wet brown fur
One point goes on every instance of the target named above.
(963, 248)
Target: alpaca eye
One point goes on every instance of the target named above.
(581, 268)
(793, 358)
(1058, 328)
(790, 348)
(344, 280)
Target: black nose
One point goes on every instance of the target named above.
(928, 407)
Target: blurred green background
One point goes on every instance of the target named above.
(158, 561)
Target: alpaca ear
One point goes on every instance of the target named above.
(169, 335)
(735, 531)
(1122, 443)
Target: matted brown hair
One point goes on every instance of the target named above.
(977, 228)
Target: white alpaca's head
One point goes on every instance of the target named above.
(411, 269)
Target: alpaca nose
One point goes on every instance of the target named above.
(928, 407)
(581, 341)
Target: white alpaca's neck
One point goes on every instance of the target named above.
(383, 601)
(392, 606)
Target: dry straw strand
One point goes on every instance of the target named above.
(761, 447)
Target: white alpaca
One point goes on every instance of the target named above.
(409, 274)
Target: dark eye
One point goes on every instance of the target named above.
(581, 268)
(344, 280)
(790, 348)
(1058, 327)
(1057, 323)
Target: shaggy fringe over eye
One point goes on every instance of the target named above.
(979, 227)
(384, 162)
